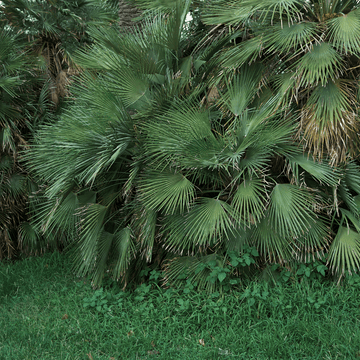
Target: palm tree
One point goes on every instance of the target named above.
(142, 168)
(142, 74)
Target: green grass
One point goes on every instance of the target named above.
(46, 313)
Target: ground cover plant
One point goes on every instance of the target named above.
(47, 313)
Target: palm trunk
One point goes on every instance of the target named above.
(127, 12)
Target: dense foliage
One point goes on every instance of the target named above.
(37, 40)
(188, 145)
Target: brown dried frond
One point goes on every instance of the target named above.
(335, 139)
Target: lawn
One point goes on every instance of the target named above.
(47, 313)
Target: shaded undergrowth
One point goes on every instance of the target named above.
(47, 313)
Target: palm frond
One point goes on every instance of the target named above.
(247, 52)
(344, 32)
(204, 225)
(145, 223)
(123, 251)
(344, 253)
(29, 237)
(347, 197)
(352, 176)
(91, 229)
(242, 88)
(285, 85)
(289, 37)
(167, 192)
(272, 246)
(56, 214)
(328, 122)
(320, 63)
(249, 201)
(290, 210)
(230, 12)
(321, 171)
(237, 12)
(315, 241)
(183, 138)
(104, 243)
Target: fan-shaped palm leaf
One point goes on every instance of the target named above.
(123, 251)
(272, 246)
(30, 239)
(290, 210)
(204, 225)
(249, 200)
(242, 88)
(329, 122)
(246, 52)
(321, 171)
(345, 32)
(319, 64)
(344, 253)
(352, 176)
(145, 223)
(287, 37)
(91, 228)
(237, 12)
(166, 191)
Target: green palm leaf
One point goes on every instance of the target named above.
(345, 195)
(144, 223)
(29, 237)
(124, 251)
(321, 171)
(290, 210)
(236, 12)
(352, 176)
(318, 65)
(204, 225)
(167, 191)
(91, 228)
(249, 200)
(233, 13)
(344, 251)
(286, 37)
(285, 86)
(328, 121)
(271, 245)
(104, 243)
(183, 138)
(345, 32)
(242, 88)
(313, 242)
(246, 52)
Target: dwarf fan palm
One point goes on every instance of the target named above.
(140, 164)
(312, 50)
(34, 69)
(18, 106)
